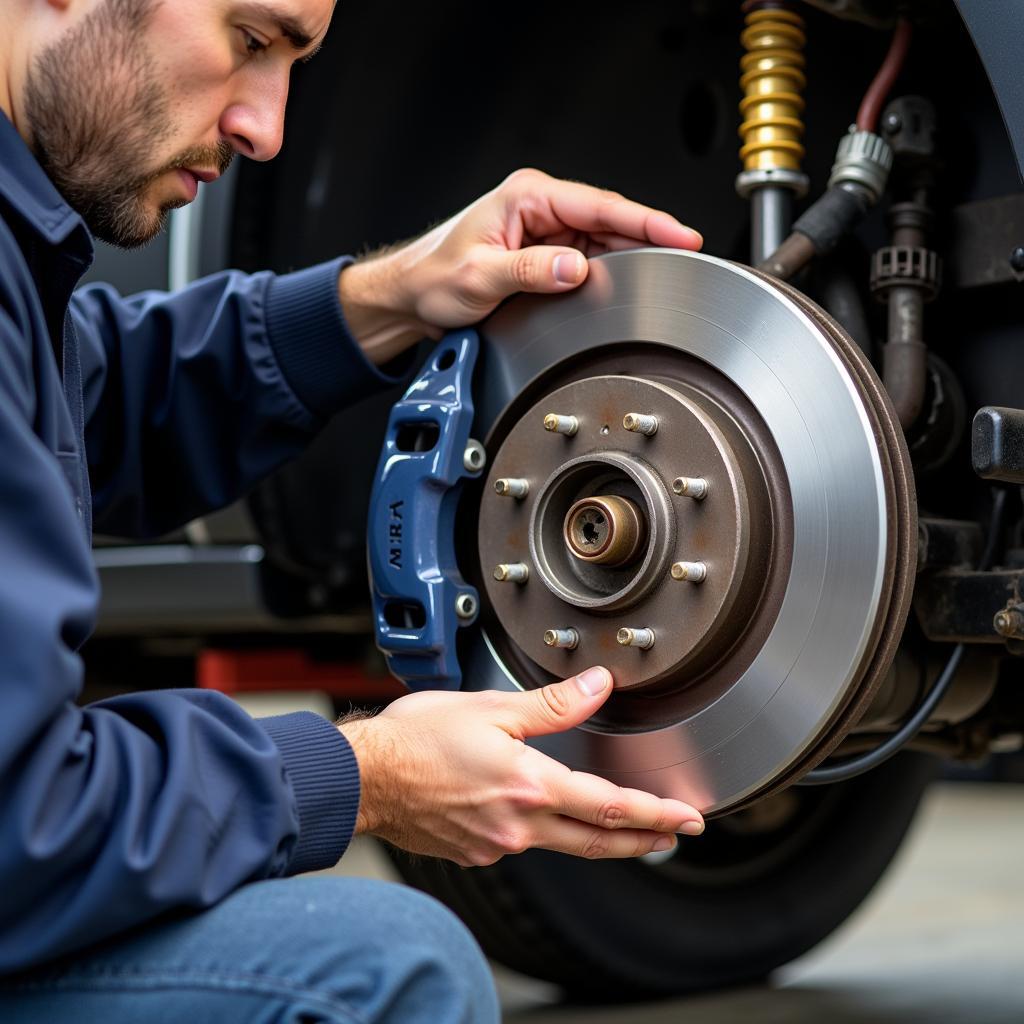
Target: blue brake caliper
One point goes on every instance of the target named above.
(419, 598)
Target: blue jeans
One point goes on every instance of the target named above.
(315, 950)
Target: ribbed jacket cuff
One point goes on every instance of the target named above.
(318, 356)
(324, 776)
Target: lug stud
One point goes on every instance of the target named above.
(512, 487)
(512, 572)
(556, 424)
(695, 487)
(566, 638)
(642, 638)
(689, 572)
(640, 423)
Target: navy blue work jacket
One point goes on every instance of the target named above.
(165, 406)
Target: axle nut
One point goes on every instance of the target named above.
(605, 529)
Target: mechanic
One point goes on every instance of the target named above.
(146, 840)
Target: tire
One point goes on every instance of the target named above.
(758, 889)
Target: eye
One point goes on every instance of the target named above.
(252, 44)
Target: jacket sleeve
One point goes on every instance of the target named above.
(113, 813)
(192, 396)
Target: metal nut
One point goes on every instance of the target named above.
(640, 423)
(642, 638)
(557, 424)
(512, 572)
(566, 638)
(695, 487)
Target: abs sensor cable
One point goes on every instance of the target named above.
(858, 765)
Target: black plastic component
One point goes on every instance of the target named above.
(997, 444)
(828, 220)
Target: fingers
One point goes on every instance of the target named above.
(537, 268)
(550, 205)
(573, 837)
(596, 801)
(559, 706)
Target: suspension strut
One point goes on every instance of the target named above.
(772, 78)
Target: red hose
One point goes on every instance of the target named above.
(878, 90)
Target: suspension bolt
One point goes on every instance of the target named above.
(689, 572)
(640, 423)
(566, 638)
(513, 487)
(556, 424)
(695, 487)
(1009, 622)
(642, 638)
(512, 572)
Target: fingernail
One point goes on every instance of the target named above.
(664, 843)
(692, 828)
(593, 681)
(567, 268)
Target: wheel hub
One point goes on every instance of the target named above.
(605, 528)
(697, 481)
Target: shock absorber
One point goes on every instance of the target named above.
(772, 78)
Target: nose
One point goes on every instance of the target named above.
(254, 124)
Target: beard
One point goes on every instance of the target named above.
(96, 113)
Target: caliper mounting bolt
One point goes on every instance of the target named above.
(512, 572)
(695, 487)
(689, 572)
(512, 487)
(640, 423)
(557, 424)
(474, 458)
(465, 606)
(642, 638)
(566, 638)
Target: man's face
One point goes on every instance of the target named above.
(136, 101)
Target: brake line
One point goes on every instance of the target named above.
(858, 765)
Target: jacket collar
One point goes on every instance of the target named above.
(25, 186)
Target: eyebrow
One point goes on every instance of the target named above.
(290, 28)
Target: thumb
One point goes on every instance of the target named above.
(560, 706)
(538, 268)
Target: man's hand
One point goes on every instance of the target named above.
(532, 233)
(448, 775)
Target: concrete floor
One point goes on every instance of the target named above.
(940, 940)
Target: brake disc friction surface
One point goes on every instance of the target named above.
(755, 671)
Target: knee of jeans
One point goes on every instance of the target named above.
(419, 959)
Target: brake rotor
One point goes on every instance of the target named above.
(698, 481)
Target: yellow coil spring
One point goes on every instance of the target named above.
(771, 79)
